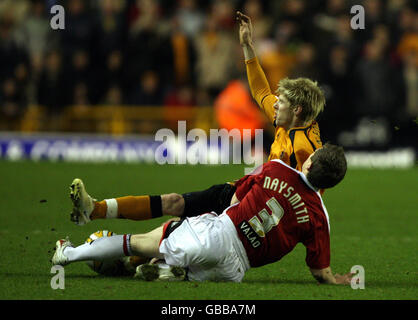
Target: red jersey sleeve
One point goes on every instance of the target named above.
(244, 184)
(318, 249)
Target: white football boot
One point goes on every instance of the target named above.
(59, 258)
(160, 272)
(83, 204)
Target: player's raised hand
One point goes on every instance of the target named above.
(245, 29)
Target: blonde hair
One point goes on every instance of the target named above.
(305, 93)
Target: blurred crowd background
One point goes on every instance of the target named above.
(186, 53)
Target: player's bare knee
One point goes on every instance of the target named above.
(172, 204)
(135, 244)
(145, 244)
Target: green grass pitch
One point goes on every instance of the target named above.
(373, 217)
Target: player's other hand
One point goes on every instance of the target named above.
(245, 29)
(344, 279)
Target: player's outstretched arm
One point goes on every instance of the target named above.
(325, 276)
(260, 88)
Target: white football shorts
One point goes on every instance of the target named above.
(208, 245)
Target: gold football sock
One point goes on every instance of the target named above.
(129, 207)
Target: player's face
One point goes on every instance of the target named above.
(284, 115)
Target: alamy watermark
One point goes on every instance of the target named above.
(220, 147)
(57, 22)
(358, 280)
(58, 281)
(358, 20)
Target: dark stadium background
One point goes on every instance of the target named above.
(176, 57)
(88, 100)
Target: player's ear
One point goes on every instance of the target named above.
(298, 110)
(309, 166)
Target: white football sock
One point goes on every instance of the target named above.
(106, 248)
(112, 209)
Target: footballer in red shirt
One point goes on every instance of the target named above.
(277, 209)
(274, 209)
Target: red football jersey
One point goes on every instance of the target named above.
(279, 208)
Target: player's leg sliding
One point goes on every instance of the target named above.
(119, 246)
(106, 248)
(160, 272)
(144, 207)
(129, 207)
(86, 208)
